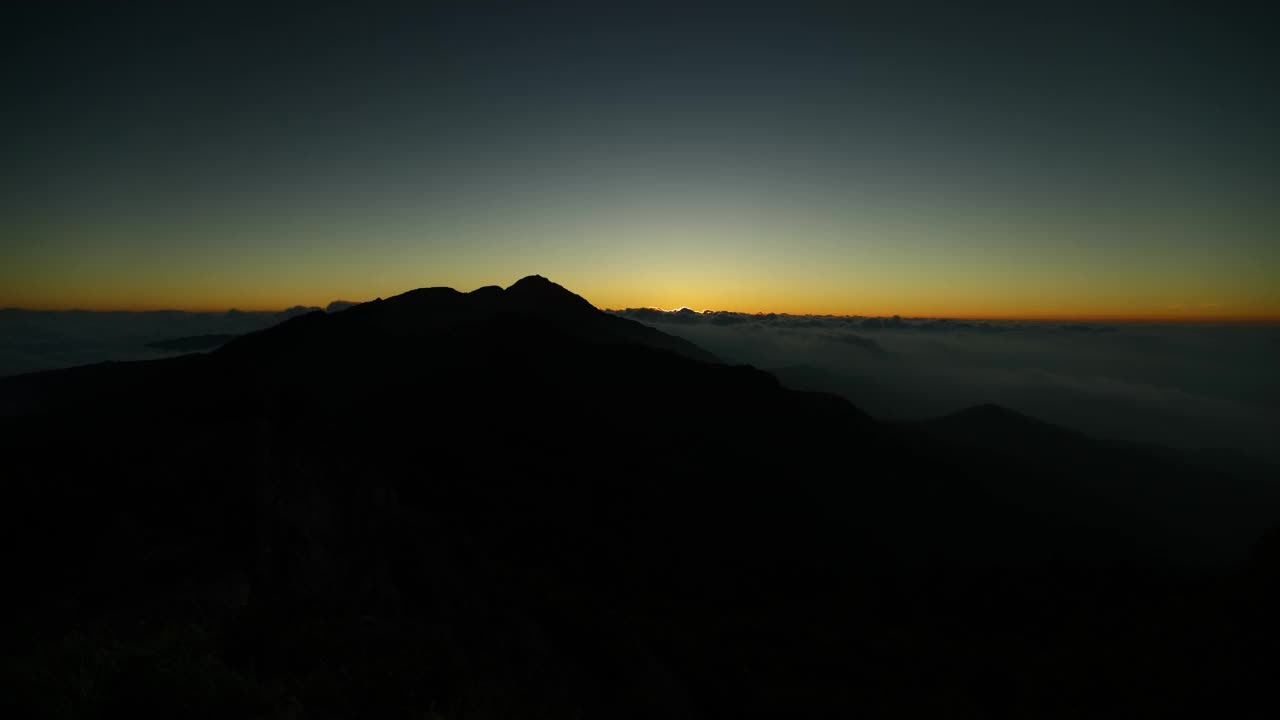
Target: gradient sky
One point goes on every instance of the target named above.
(1062, 159)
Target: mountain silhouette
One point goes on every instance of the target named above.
(532, 301)
(507, 502)
(1179, 504)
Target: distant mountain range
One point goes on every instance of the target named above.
(509, 503)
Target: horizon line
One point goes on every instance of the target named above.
(1031, 317)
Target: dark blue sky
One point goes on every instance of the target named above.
(1036, 159)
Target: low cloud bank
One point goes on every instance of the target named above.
(33, 340)
(1184, 385)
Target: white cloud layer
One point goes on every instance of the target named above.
(1184, 385)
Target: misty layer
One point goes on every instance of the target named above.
(1188, 385)
(33, 340)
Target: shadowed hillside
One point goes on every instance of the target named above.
(506, 503)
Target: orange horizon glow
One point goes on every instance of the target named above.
(1078, 296)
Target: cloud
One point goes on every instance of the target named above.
(1185, 385)
(33, 340)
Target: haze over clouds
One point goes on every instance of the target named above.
(33, 340)
(1184, 385)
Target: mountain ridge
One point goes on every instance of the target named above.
(495, 499)
(435, 309)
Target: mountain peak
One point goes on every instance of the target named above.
(540, 290)
(535, 278)
(529, 282)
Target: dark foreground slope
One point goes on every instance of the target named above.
(508, 504)
(192, 343)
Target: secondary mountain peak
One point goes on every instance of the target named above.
(995, 426)
(488, 291)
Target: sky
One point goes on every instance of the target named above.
(1072, 159)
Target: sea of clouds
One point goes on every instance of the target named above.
(1177, 384)
(34, 340)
